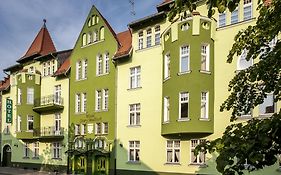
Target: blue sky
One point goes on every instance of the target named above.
(21, 20)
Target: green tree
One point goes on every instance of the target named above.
(256, 143)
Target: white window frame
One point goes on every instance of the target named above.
(167, 66)
(173, 146)
(36, 149)
(19, 96)
(166, 117)
(184, 56)
(205, 54)
(44, 69)
(241, 58)
(99, 67)
(193, 144)
(157, 39)
(140, 40)
(148, 38)
(204, 113)
(57, 94)
(105, 94)
(19, 123)
(98, 128)
(26, 150)
(90, 128)
(247, 4)
(84, 68)
(98, 100)
(78, 69)
(106, 63)
(30, 96)
(77, 129)
(134, 147)
(222, 19)
(83, 102)
(30, 119)
(135, 77)
(105, 128)
(96, 36)
(182, 100)
(83, 129)
(134, 114)
(78, 103)
(56, 150)
(58, 124)
(84, 39)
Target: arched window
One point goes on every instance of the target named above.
(97, 19)
(102, 33)
(93, 19)
(84, 39)
(89, 22)
(242, 63)
(89, 38)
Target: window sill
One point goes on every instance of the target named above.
(204, 119)
(133, 89)
(26, 157)
(172, 163)
(265, 115)
(93, 43)
(100, 75)
(205, 72)
(60, 159)
(183, 119)
(245, 117)
(147, 48)
(183, 73)
(166, 122)
(166, 79)
(102, 110)
(81, 79)
(80, 113)
(133, 126)
(35, 158)
(134, 162)
(201, 165)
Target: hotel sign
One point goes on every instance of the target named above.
(9, 110)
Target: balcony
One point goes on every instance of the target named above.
(43, 133)
(48, 103)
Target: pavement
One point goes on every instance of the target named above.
(14, 171)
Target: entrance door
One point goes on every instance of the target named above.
(7, 154)
(101, 166)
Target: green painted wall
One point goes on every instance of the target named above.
(93, 82)
(194, 82)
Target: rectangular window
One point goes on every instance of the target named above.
(205, 57)
(77, 103)
(141, 40)
(204, 105)
(166, 109)
(173, 151)
(84, 102)
(148, 38)
(99, 65)
(184, 59)
(157, 35)
(98, 100)
(247, 9)
(26, 150)
(84, 68)
(77, 130)
(134, 151)
(98, 128)
(200, 158)
(134, 118)
(268, 106)
(222, 19)
(135, 74)
(234, 16)
(19, 96)
(106, 63)
(58, 94)
(36, 150)
(53, 67)
(184, 100)
(30, 96)
(105, 99)
(83, 129)
(56, 150)
(167, 66)
(49, 68)
(30, 123)
(90, 128)
(105, 128)
(78, 70)
(44, 69)
(19, 123)
(58, 124)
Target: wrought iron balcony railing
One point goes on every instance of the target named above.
(48, 100)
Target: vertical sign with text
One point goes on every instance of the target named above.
(9, 110)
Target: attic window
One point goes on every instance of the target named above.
(167, 36)
(102, 33)
(205, 25)
(185, 26)
(89, 22)
(93, 19)
(84, 39)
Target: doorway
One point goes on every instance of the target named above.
(7, 155)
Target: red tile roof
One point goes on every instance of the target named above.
(42, 44)
(125, 39)
(64, 68)
(4, 84)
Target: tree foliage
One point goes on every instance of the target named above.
(256, 143)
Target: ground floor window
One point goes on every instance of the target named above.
(36, 149)
(173, 151)
(56, 150)
(134, 150)
(26, 150)
(200, 158)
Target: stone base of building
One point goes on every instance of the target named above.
(134, 172)
(40, 167)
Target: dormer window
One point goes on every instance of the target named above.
(31, 69)
(95, 35)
